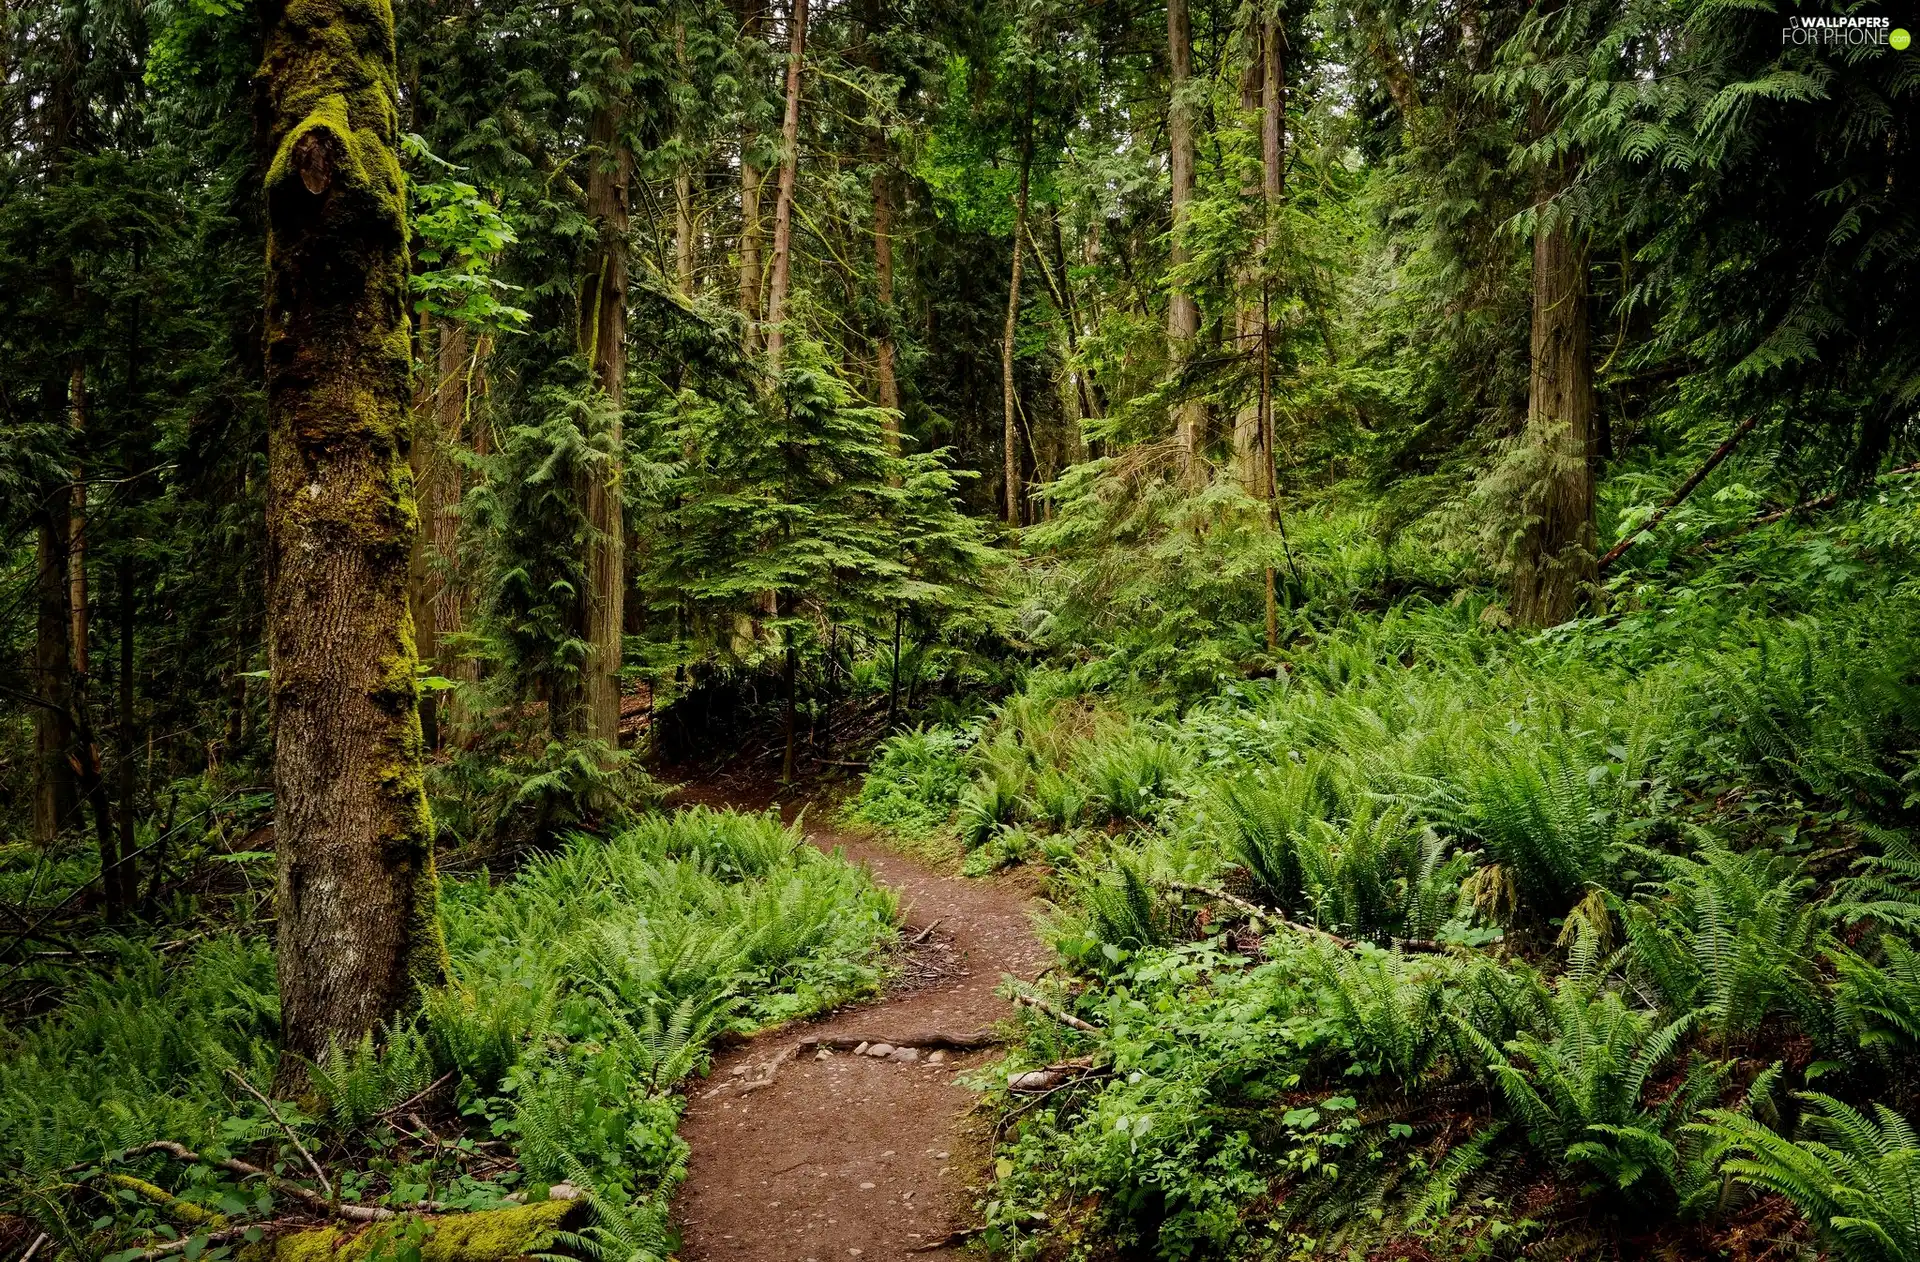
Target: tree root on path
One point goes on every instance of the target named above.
(934, 1040)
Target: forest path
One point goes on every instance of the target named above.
(850, 1157)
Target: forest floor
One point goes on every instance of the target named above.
(802, 1155)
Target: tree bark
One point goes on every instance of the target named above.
(752, 13)
(357, 932)
(683, 231)
(1183, 314)
(886, 384)
(1273, 188)
(56, 791)
(1554, 562)
(1009, 401)
(782, 272)
(604, 340)
(127, 882)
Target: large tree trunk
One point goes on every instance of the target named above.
(357, 933)
(1009, 401)
(460, 360)
(783, 207)
(1554, 562)
(1183, 315)
(437, 595)
(604, 340)
(80, 614)
(423, 577)
(886, 383)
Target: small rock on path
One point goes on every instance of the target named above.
(847, 1158)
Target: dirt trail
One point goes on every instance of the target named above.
(850, 1157)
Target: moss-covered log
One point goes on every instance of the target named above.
(503, 1235)
(356, 905)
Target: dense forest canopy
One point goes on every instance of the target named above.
(1402, 515)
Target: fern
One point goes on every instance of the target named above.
(1577, 1082)
(1734, 934)
(1855, 1178)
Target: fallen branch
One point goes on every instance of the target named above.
(209, 1239)
(924, 934)
(935, 1039)
(326, 1184)
(1813, 505)
(348, 1211)
(948, 1241)
(173, 1206)
(418, 1096)
(1050, 1076)
(1064, 1018)
(1686, 488)
(1265, 916)
(34, 1248)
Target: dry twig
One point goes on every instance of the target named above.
(326, 1184)
(348, 1211)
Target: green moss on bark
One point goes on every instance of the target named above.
(359, 933)
(503, 1235)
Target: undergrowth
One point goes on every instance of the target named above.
(582, 991)
(1424, 936)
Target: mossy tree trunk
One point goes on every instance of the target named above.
(357, 929)
(1555, 560)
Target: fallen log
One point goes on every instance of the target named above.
(1048, 1077)
(497, 1235)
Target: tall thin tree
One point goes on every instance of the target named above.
(1009, 399)
(1183, 313)
(603, 337)
(782, 268)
